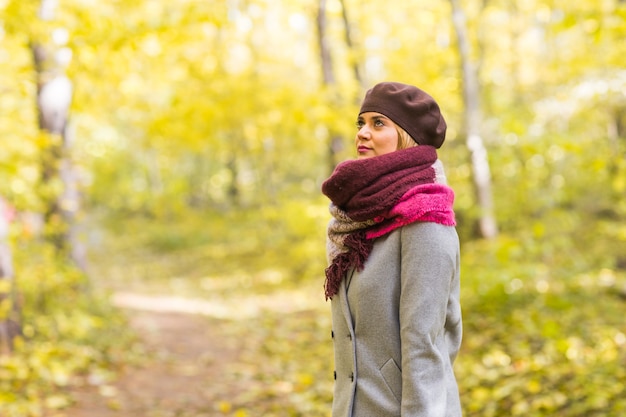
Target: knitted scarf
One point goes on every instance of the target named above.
(374, 196)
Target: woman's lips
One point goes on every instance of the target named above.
(362, 149)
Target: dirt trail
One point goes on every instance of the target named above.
(186, 355)
(194, 352)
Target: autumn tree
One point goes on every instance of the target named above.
(51, 57)
(335, 144)
(10, 325)
(473, 120)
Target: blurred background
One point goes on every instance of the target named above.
(161, 163)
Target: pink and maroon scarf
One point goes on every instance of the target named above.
(372, 197)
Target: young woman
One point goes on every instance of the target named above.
(393, 274)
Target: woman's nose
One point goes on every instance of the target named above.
(363, 133)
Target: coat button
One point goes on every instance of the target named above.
(332, 334)
(352, 376)
(335, 375)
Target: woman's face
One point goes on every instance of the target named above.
(377, 135)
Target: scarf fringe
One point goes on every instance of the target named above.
(359, 248)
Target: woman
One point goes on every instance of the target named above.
(393, 275)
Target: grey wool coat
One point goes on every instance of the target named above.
(397, 327)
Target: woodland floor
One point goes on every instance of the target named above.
(195, 361)
(171, 381)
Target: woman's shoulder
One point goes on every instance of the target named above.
(430, 232)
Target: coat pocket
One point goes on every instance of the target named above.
(393, 378)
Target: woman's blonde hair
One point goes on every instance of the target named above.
(404, 139)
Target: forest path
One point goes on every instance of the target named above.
(193, 356)
(185, 354)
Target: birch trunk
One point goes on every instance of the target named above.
(471, 97)
(10, 323)
(54, 97)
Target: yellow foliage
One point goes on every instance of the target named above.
(224, 406)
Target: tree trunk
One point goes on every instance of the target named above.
(10, 323)
(335, 144)
(328, 75)
(615, 132)
(471, 97)
(350, 43)
(54, 97)
(234, 194)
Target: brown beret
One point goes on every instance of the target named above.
(410, 108)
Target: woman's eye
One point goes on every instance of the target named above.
(378, 123)
(359, 124)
